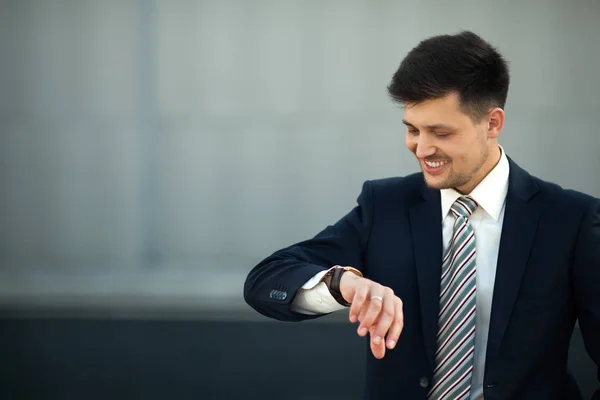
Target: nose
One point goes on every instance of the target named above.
(424, 147)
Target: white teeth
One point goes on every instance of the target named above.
(435, 164)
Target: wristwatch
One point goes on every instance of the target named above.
(334, 284)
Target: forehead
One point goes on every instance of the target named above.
(444, 110)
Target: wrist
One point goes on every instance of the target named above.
(333, 280)
(347, 278)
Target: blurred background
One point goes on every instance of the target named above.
(152, 152)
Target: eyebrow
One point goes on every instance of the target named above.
(431, 127)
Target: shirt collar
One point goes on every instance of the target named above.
(489, 194)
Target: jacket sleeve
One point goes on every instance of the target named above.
(271, 286)
(587, 284)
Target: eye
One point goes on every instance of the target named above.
(413, 132)
(442, 134)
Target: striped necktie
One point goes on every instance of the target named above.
(456, 319)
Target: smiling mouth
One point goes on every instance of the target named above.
(435, 164)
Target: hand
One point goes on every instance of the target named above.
(378, 310)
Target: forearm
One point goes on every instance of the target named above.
(272, 285)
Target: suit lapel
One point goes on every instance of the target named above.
(426, 230)
(518, 232)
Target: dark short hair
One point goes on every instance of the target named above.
(463, 63)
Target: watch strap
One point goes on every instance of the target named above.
(334, 284)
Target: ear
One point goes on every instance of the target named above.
(495, 122)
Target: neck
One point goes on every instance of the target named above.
(489, 164)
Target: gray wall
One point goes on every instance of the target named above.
(153, 151)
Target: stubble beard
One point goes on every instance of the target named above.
(455, 180)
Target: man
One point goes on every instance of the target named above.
(468, 277)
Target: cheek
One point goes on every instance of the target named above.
(465, 163)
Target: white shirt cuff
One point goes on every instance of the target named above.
(314, 297)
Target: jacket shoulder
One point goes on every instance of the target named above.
(397, 191)
(408, 185)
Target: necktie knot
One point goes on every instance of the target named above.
(464, 206)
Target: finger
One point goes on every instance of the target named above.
(362, 329)
(378, 349)
(362, 315)
(360, 296)
(374, 306)
(397, 325)
(386, 316)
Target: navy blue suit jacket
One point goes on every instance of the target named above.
(548, 276)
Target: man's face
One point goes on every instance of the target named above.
(452, 150)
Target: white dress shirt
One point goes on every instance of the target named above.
(486, 220)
